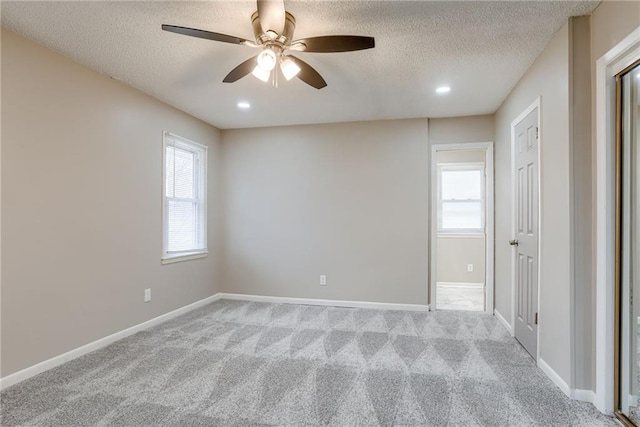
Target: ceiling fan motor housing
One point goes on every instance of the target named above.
(265, 36)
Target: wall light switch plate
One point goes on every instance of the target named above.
(469, 268)
(147, 295)
(323, 280)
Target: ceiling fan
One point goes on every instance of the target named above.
(273, 28)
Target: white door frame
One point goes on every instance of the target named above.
(489, 227)
(625, 53)
(535, 104)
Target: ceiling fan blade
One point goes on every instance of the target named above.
(202, 34)
(325, 44)
(271, 14)
(307, 74)
(241, 70)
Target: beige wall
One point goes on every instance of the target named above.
(581, 173)
(460, 156)
(456, 130)
(81, 197)
(611, 22)
(454, 253)
(346, 200)
(547, 78)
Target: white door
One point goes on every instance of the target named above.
(525, 243)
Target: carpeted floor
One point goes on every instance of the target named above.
(241, 363)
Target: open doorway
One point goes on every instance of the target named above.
(462, 227)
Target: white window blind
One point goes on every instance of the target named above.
(184, 197)
(461, 198)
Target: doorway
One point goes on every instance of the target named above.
(462, 227)
(525, 161)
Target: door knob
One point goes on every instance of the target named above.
(513, 242)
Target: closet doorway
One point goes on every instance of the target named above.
(627, 358)
(462, 227)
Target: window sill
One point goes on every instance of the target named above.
(184, 257)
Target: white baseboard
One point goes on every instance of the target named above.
(326, 302)
(583, 395)
(470, 285)
(503, 321)
(553, 375)
(36, 369)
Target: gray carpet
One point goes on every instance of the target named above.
(241, 363)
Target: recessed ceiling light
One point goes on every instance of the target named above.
(244, 105)
(443, 89)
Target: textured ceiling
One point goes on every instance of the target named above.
(480, 49)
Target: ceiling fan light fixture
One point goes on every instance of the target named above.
(289, 68)
(261, 73)
(267, 59)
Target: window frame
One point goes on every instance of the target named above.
(466, 166)
(200, 183)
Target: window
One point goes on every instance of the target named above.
(461, 198)
(184, 199)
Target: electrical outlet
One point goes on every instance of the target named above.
(323, 280)
(147, 295)
(469, 268)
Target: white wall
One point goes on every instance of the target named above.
(547, 78)
(81, 198)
